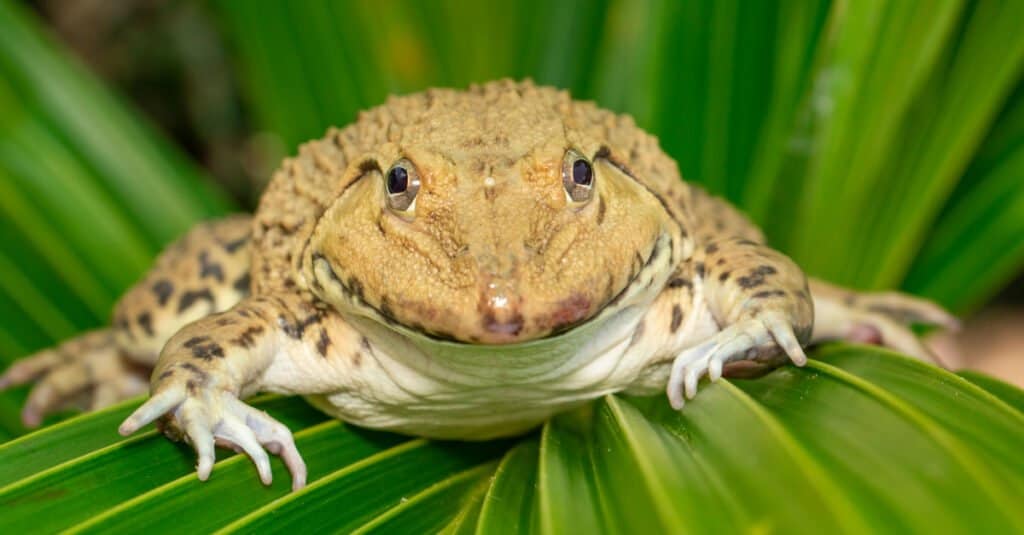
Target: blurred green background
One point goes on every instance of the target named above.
(881, 144)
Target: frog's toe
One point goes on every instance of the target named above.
(275, 437)
(55, 390)
(878, 329)
(754, 338)
(30, 368)
(906, 309)
(206, 418)
(232, 432)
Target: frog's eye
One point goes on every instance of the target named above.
(402, 183)
(577, 177)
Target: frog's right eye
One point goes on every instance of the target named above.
(402, 183)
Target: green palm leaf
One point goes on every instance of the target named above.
(861, 439)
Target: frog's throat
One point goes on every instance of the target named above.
(641, 289)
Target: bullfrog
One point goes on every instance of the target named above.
(456, 264)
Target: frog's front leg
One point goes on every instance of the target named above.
(760, 300)
(209, 365)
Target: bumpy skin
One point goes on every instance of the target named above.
(492, 301)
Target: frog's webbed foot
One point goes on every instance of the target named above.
(88, 372)
(205, 416)
(756, 338)
(875, 318)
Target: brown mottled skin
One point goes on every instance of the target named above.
(498, 293)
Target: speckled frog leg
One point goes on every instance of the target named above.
(285, 344)
(205, 271)
(880, 318)
(88, 371)
(759, 299)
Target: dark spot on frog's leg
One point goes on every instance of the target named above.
(248, 336)
(121, 323)
(196, 340)
(208, 351)
(679, 282)
(192, 387)
(243, 283)
(769, 293)
(190, 297)
(323, 343)
(764, 270)
(724, 276)
(208, 268)
(750, 282)
(295, 330)
(233, 246)
(145, 321)
(720, 261)
(224, 322)
(163, 289)
(711, 248)
(195, 370)
(677, 318)
(166, 374)
(699, 269)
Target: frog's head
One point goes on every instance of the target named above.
(493, 216)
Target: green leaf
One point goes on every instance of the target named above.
(83, 180)
(859, 440)
(1010, 394)
(976, 247)
(510, 505)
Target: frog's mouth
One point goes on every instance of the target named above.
(563, 316)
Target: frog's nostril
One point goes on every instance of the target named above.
(499, 311)
(512, 326)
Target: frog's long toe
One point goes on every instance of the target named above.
(904, 309)
(53, 391)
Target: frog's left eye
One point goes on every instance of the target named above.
(577, 177)
(402, 183)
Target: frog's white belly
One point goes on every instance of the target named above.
(443, 390)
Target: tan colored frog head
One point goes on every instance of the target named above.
(496, 215)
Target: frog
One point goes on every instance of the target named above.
(457, 264)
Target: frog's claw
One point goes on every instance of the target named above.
(204, 417)
(755, 338)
